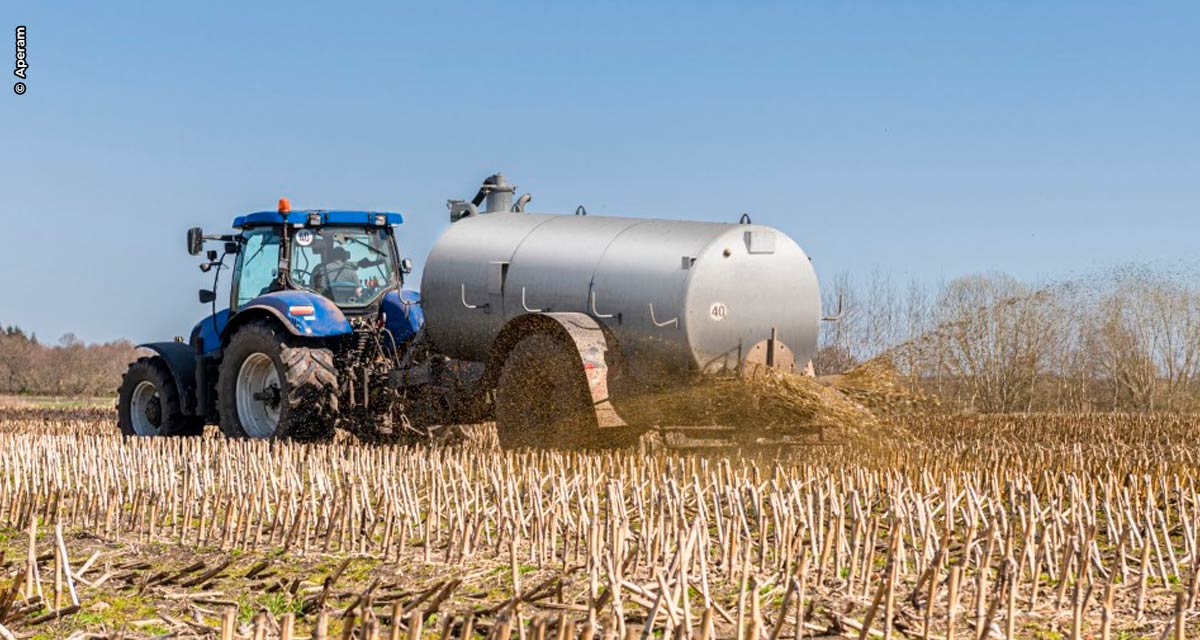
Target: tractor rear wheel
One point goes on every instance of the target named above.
(148, 403)
(274, 385)
(542, 398)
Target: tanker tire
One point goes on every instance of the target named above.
(542, 398)
(307, 377)
(153, 376)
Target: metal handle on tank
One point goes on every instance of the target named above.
(469, 305)
(597, 313)
(837, 316)
(525, 306)
(672, 321)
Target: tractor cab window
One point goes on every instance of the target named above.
(257, 264)
(350, 266)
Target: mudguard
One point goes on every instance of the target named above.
(403, 312)
(579, 330)
(181, 360)
(324, 320)
(209, 330)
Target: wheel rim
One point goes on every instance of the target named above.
(258, 396)
(145, 409)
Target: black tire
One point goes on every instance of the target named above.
(161, 414)
(307, 394)
(542, 398)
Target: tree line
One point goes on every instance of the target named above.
(1127, 340)
(68, 368)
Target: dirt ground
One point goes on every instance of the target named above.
(1080, 519)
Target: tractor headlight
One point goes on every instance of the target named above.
(380, 220)
(314, 219)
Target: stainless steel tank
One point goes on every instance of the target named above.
(678, 296)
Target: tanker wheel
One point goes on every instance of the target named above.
(274, 385)
(542, 398)
(148, 403)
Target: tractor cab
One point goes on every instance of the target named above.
(316, 270)
(347, 257)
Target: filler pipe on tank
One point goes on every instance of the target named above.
(519, 207)
(497, 193)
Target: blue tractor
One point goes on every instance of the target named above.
(317, 321)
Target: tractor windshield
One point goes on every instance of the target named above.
(349, 265)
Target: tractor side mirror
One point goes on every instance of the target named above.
(207, 296)
(406, 265)
(195, 241)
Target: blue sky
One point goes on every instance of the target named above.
(925, 140)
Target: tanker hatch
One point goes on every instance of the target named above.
(495, 194)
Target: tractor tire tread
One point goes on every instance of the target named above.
(309, 373)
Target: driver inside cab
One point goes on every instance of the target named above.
(348, 265)
(335, 266)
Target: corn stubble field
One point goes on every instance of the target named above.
(951, 526)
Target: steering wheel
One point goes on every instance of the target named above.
(302, 275)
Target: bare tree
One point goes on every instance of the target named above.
(70, 368)
(1146, 343)
(1124, 341)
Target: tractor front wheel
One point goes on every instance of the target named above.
(148, 403)
(273, 385)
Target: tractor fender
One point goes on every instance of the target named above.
(181, 360)
(588, 339)
(404, 317)
(324, 321)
